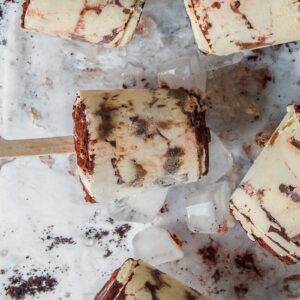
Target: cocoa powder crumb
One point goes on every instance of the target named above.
(107, 253)
(164, 209)
(93, 233)
(59, 240)
(19, 288)
(246, 262)
(217, 275)
(209, 254)
(122, 230)
(240, 290)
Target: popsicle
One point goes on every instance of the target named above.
(135, 139)
(226, 27)
(267, 202)
(137, 280)
(109, 22)
(129, 141)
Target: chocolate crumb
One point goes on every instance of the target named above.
(19, 288)
(174, 152)
(106, 126)
(216, 276)
(142, 126)
(107, 253)
(164, 209)
(110, 220)
(209, 254)
(240, 290)
(59, 240)
(246, 262)
(93, 233)
(173, 161)
(122, 230)
(289, 191)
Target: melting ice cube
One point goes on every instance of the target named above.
(185, 72)
(214, 62)
(132, 76)
(156, 246)
(208, 209)
(142, 207)
(202, 217)
(234, 102)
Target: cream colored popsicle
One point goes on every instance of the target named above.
(136, 280)
(267, 202)
(226, 27)
(110, 22)
(130, 140)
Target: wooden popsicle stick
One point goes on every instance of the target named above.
(32, 147)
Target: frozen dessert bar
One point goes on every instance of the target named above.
(132, 139)
(138, 280)
(225, 27)
(267, 202)
(110, 22)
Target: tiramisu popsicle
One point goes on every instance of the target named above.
(267, 202)
(138, 280)
(110, 22)
(133, 139)
(226, 27)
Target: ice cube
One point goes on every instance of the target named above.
(185, 72)
(202, 217)
(208, 209)
(132, 76)
(214, 62)
(156, 246)
(233, 102)
(142, 207)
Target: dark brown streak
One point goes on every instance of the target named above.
(294, 142)
(281, 231)
(105, 127)
(114, 163)
(159, 283)
(245, 216)
(203, 27)
(161, 135)
(24, 7)
(235, 8)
